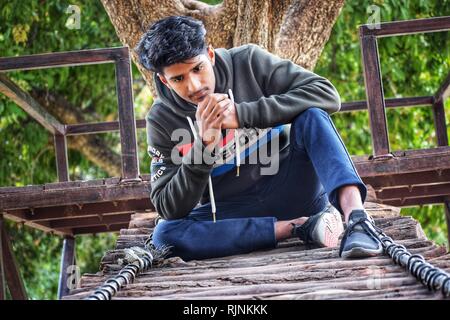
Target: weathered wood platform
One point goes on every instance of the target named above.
(290, 271)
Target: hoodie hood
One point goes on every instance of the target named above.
(223, 72)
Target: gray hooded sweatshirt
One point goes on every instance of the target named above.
(269, 93)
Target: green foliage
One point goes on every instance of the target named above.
(411, 65)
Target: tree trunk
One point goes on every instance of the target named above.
(294, 29)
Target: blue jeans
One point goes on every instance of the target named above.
(318, 164)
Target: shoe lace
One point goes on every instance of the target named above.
(368, 226)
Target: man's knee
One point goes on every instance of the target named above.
(310, 113)
(164, 234)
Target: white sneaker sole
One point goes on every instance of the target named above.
(328, 229)
(359, 252)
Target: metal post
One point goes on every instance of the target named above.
(11, 269)
(375, 94)
(127, 124)
(62, 165)
(67, 259)
(440, 123)
(2, 268)
(447, 219)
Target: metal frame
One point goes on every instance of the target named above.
(121, 58)
(372, 76)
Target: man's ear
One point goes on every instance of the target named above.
(163, 80)
(211, 54)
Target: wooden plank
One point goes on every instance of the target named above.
(98, 127)
(408, 179)
(62, 59)
(67, 260)
(76, 196)
(413, 202)
(5, 190)
(98, 220)
(29, 105)
(375, 95)
(100, 229)
(390, 103)
(127, 124)
(442, 189)
(79, 211)
(413, 161)
(62, 164)
(396, 28)
(13, 277)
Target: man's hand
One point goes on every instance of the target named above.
(231, 119)
(210, 115)
(215, 112)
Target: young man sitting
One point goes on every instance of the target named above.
(228, 107)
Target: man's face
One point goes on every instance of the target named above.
(192, 79)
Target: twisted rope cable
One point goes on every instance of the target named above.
(430, 276)
(136, 260)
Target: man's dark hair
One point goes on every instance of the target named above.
(171, 40)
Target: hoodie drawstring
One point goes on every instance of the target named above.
(236, 139)
(211, 191)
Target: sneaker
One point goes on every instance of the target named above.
(360, 239)
(322, 229)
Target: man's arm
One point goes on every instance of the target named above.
(175, 188)
(289, 89)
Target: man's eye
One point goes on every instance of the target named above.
(198, 68)
(177, 79)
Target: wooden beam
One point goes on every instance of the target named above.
(100, 229)
(413, 202)
(29, 105)
(447, 218)
(127, 124)
(62, 59)
(67, 260)
(62, 163)
(397, 28)
(444, 90)
(13, 277)
(50, 214)
(404, 162)
(408, 179)
(98, 127)
(414, 191)
(390, 103)
(440, 123)
(375, 95)
(91, 221)
(74, 196)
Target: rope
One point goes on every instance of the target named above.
(430, 276)
(136, 260)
